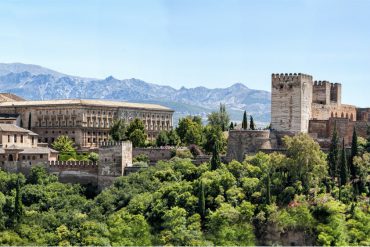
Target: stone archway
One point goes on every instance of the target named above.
(10, 157)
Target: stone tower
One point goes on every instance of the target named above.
(291, 100)
(114, 157)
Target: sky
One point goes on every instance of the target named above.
(211, 43)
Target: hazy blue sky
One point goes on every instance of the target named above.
(212, 43)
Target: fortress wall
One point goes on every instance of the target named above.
(242, 142)
(319, 129)
(155, 154)
(324, 112)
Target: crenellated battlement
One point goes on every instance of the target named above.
(112, 144)
(285, 77)
(320, 83)
(72, 163)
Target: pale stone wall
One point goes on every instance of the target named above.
(86, 125)
(291, 98)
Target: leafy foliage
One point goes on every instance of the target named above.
(179, 203)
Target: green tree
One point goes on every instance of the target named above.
(231, 127)
(127, 229)
(333, 156)
(94, 157)
(138, 138)
(202, 201)
(189, 130)
(64, 145)
(18, 207)
(136, 124)
(245, 121)
(251, 123)
(173, 138)
(220, 118)
(29, 121)
(215, 160)
(343, 167)
(306, 162)
(354, 153)
(162, 139)
(118, 131)
(213, 134)
(228, 226)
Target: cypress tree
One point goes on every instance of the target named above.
(215, 160)
(202, 201)
(18, 208)
(245, 121)
(333, 154)
(251, 123)
(29, 121)
(343, 167)
(231, 127)
(354, 152)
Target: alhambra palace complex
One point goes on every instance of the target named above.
(27, 128)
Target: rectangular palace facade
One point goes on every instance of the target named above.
(86, 122)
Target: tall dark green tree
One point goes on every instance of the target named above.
(333, 156)
(245, 121)
(343, 167)
(251, 123)
(202, 201)
(29, 121)
(215, 160)
(18, 207)
(231, 127)
(354, 153)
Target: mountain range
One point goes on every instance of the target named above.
(34, 82)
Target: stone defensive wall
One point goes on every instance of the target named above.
(243, 142)
(155, 154)
(322, 130)
(324, 112)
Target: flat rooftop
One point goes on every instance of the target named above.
(84, 102)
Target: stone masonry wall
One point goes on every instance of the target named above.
(242, 142)
(291, 98)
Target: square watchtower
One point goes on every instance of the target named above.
(291, 100)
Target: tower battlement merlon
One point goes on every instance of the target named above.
(111, 144)
(286, 77)
(321, 83)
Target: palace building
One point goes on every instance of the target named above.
(85, 121)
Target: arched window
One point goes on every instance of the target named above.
(342, 115)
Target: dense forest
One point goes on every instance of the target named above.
(178, 203)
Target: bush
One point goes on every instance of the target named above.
(184, 154)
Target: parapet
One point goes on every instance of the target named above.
(321, 83)
(112, 144)
(289, 77)
(72, 163)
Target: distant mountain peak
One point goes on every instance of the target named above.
(35, 82)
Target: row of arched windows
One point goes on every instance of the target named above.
(342, 115)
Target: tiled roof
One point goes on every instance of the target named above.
(89, 102)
